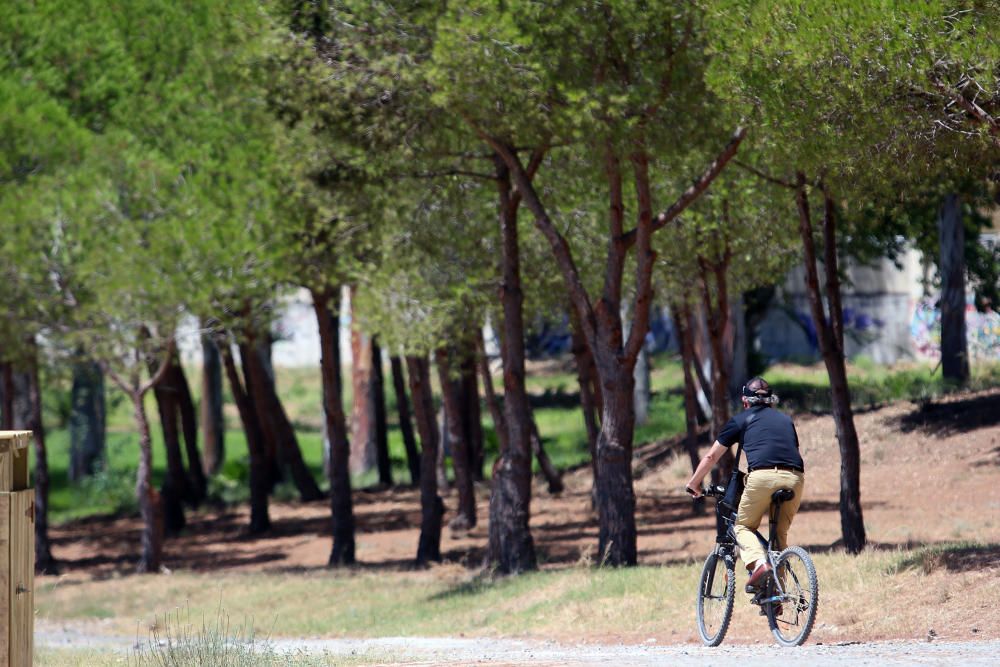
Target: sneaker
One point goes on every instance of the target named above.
(758, 575)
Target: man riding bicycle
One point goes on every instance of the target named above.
(773, 461)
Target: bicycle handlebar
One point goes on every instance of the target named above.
(713, 490)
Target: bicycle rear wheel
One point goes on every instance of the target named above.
(791, 620)
(716, 591)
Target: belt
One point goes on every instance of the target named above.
(779, 467)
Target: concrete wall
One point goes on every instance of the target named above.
(887, 317)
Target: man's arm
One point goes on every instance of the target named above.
(704, 466)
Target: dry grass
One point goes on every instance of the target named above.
(880, 594)
(69, 657)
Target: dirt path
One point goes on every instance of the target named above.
(458, 651)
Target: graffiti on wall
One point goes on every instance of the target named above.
(982, 331)
(859, 325)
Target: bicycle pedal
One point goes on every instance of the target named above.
(751, 590)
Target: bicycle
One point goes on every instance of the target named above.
(788, 597)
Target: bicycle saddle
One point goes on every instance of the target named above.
(782, 495)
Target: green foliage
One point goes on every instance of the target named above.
(869, 99)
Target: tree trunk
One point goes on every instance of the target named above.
(954, 350)
(7, 392)
(363, 409)
(549, 471)
(213, 425)
(275, 422)
(615, 494)
(21, 407)
(585, 377)
(263, 417)
(198, 484)
(682, 317)
(260, 477)
(703, 392)
(851, 520)
(326, 304)
(717, 317)
(149, 500)
(737, 350)
(431, 505)
(174, 490)
(451, 391)
(642, 388)
(380, 427)
(472, 417)
(443, 451)
(45, 563)
(87, 420)
(831, 343)
(511, 548)
(405, 422)
(492, 401)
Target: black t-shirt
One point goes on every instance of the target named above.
(768, 437)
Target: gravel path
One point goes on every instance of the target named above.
(462, 651)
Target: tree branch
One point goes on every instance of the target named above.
(534, 163)
(971, 108)
(162, 370)
(812, 277)
(615, 261)
(645, 257)
(763, 175)
(560, 248)
(834, 306)
(697, 188)
(448, 172)
(124, 386)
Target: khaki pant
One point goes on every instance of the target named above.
(756, 504)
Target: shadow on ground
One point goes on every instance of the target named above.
(954, 416)
(954, 558)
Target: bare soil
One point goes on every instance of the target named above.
(930, 474)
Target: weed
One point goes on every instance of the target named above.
(175, 641)
(111, 486)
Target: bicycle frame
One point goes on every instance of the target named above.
(726, 544)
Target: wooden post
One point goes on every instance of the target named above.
(17, 551)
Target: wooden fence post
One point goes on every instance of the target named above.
(17, 551)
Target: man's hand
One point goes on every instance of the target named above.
(695, 492)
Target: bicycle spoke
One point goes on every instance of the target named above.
(716, 591)
(792, 618)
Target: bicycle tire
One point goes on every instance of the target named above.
(715, 600)
(801, 601)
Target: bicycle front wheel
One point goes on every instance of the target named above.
(791, 617)
(716, 590)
